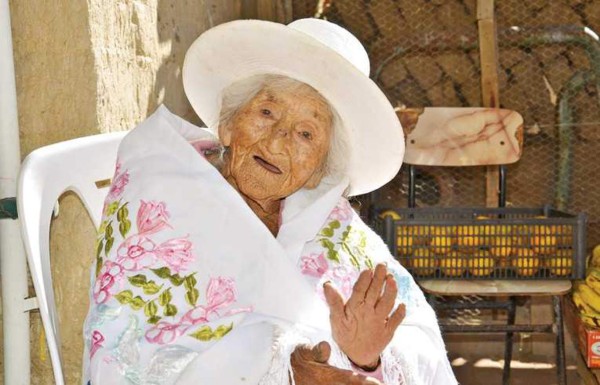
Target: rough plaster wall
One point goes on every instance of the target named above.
(139, 47)
(86, 67)
(56, 91)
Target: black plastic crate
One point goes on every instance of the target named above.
(482, 243)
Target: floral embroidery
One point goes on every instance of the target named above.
(220, 293)
(153, 272)
(165, 332)
(342, 212)
(120, 180)
(176, 253)
(152, 217)
(136, 253)
(109, 275)
(97, 340)
(314, 265)
(344, 278)
(351, 242)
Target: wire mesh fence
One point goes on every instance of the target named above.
(425, 53)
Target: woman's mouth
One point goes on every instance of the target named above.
(270, 167)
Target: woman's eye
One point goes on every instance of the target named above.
(306, 135)
(265, 112)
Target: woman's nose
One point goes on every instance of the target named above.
(278, 136)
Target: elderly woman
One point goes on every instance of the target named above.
(239, 260)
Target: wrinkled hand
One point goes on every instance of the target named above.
(310, 367)
(361, 326)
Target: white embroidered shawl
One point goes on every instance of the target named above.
(190, 287)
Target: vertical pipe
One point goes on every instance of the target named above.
(412, 201)
(502, 196)
(13, 266)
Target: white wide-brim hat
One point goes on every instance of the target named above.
(318, 53)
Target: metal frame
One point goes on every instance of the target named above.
(510, 328)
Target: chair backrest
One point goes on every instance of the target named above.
(461, 136)
(74, 165)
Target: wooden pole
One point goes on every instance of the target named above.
(488, 54)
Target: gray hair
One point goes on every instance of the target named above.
(239, 93)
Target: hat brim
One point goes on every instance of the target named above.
(239, 49)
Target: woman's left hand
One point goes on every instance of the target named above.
(363, 326)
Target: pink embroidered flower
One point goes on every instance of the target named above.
(342, 212)
(120, 180)
(176, 253)
(97, 340)
(314, 265)
(220, 293)
(109, 274)
(197, 315)
(152, 217)
(342, 277)
(165, 333)
(136, 253)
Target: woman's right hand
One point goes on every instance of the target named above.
(310, 367)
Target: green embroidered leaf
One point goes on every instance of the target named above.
(326, 243)
(138, 280)
(327, 232)
(369, 263)
(205, 333)
(124, 297)
(170, 310)
(99, 248)
(335, 224)
(102, 227)
(112, 208)
(354, 261)
(137, 303)
(189, 282)
(99, 263)
(192, 296)
(333, 255)
(176, 280)
(108, 245)
(123, 213)
(109, 231)
(150, 309)
(124, 227)
(163, 272)
(151, 288)
(153, 320)
(165, 297)
(222, 330)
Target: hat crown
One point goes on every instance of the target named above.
(336, 38)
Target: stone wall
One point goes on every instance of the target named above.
(88, 67)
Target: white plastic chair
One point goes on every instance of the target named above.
(47, 173)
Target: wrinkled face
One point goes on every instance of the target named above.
(278, 143)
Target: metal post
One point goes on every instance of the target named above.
(560, 341)
(13, 265)
(508, 342)
(411, 186)
(502, 183)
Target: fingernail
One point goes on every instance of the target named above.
(325, 283)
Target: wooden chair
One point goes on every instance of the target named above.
(462, 137)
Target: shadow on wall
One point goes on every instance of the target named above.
(180, 23)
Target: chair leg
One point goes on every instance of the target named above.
(560, 341)
(508, 343)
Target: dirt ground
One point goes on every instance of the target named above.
(478, 359)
